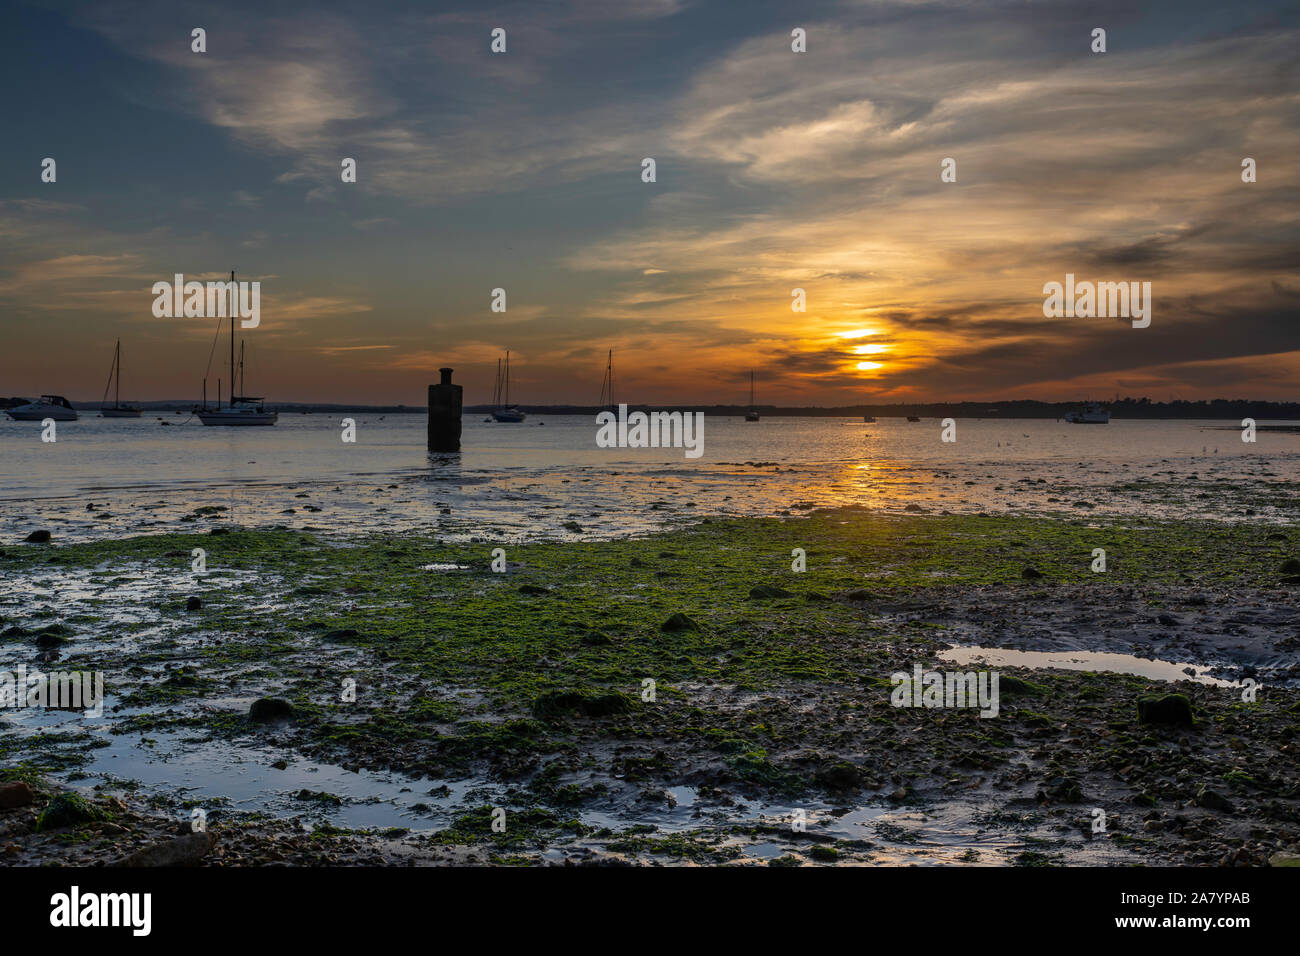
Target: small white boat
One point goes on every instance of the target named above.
(752, 414)
(1092, 414)
(243, 409)
(869, 419)
(502, 410)
(48, 406)
(117, 409)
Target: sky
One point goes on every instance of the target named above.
(774, 170)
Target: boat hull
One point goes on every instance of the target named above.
(509, 417)
(27, 413)
(238, 418)
(121, 412)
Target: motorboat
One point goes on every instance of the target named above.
(48, 406)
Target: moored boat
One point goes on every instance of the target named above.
(243, 409)
(47, 406)
(752, 414)
(502, 410)
(117, 409)
(1092, 414)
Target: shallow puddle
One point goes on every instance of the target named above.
(1083, 661)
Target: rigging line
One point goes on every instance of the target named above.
(213, 350)
(108, 385)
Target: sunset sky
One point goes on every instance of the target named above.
(775, 170)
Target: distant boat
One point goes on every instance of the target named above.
(752, 414)
(47, 406)
(869, 419)
(1092, 414)
(913, 418)
(243, 409)
(607, 386)
(117, 409)
(502, 410)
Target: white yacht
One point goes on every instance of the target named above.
(752, 414)
(117, 409)
(48, 406)
(242, 409)
(502, 410)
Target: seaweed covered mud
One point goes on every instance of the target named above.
(723, 693)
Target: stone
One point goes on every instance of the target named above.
(270, 708)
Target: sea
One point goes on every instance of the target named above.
(546, 478)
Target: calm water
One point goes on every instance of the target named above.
(530, 480)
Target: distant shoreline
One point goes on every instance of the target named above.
(1126, 409)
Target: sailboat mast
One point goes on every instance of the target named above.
(234, 306)
(117, 362)
(507, 378)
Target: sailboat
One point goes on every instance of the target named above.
(752, 414)
(607, 386)
(117, 409)
(502, 410)
(243, 409)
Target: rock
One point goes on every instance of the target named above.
(824, 854)
(533, 589)
(573, 526)
(68, 810)
(1289, 566)
(270, 708)
(1168, 620)
(49, 641)
(15, 794)
(38, 537)
(769, 591)
(1284, 859)
(1061, 789)
(899, 795)
(590, 705)
(856, 594)
(678, 621)
(341, 634)
(596, 639)
(1031, 574)
(185, 850)
(839, 776)
(1009, 686)
(193, 604)
(1169, 709)
(636, 563)
(1210, 800)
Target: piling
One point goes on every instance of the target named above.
(444, 414)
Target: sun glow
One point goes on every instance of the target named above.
(857, 333)
(868, 366)
(870, 349)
